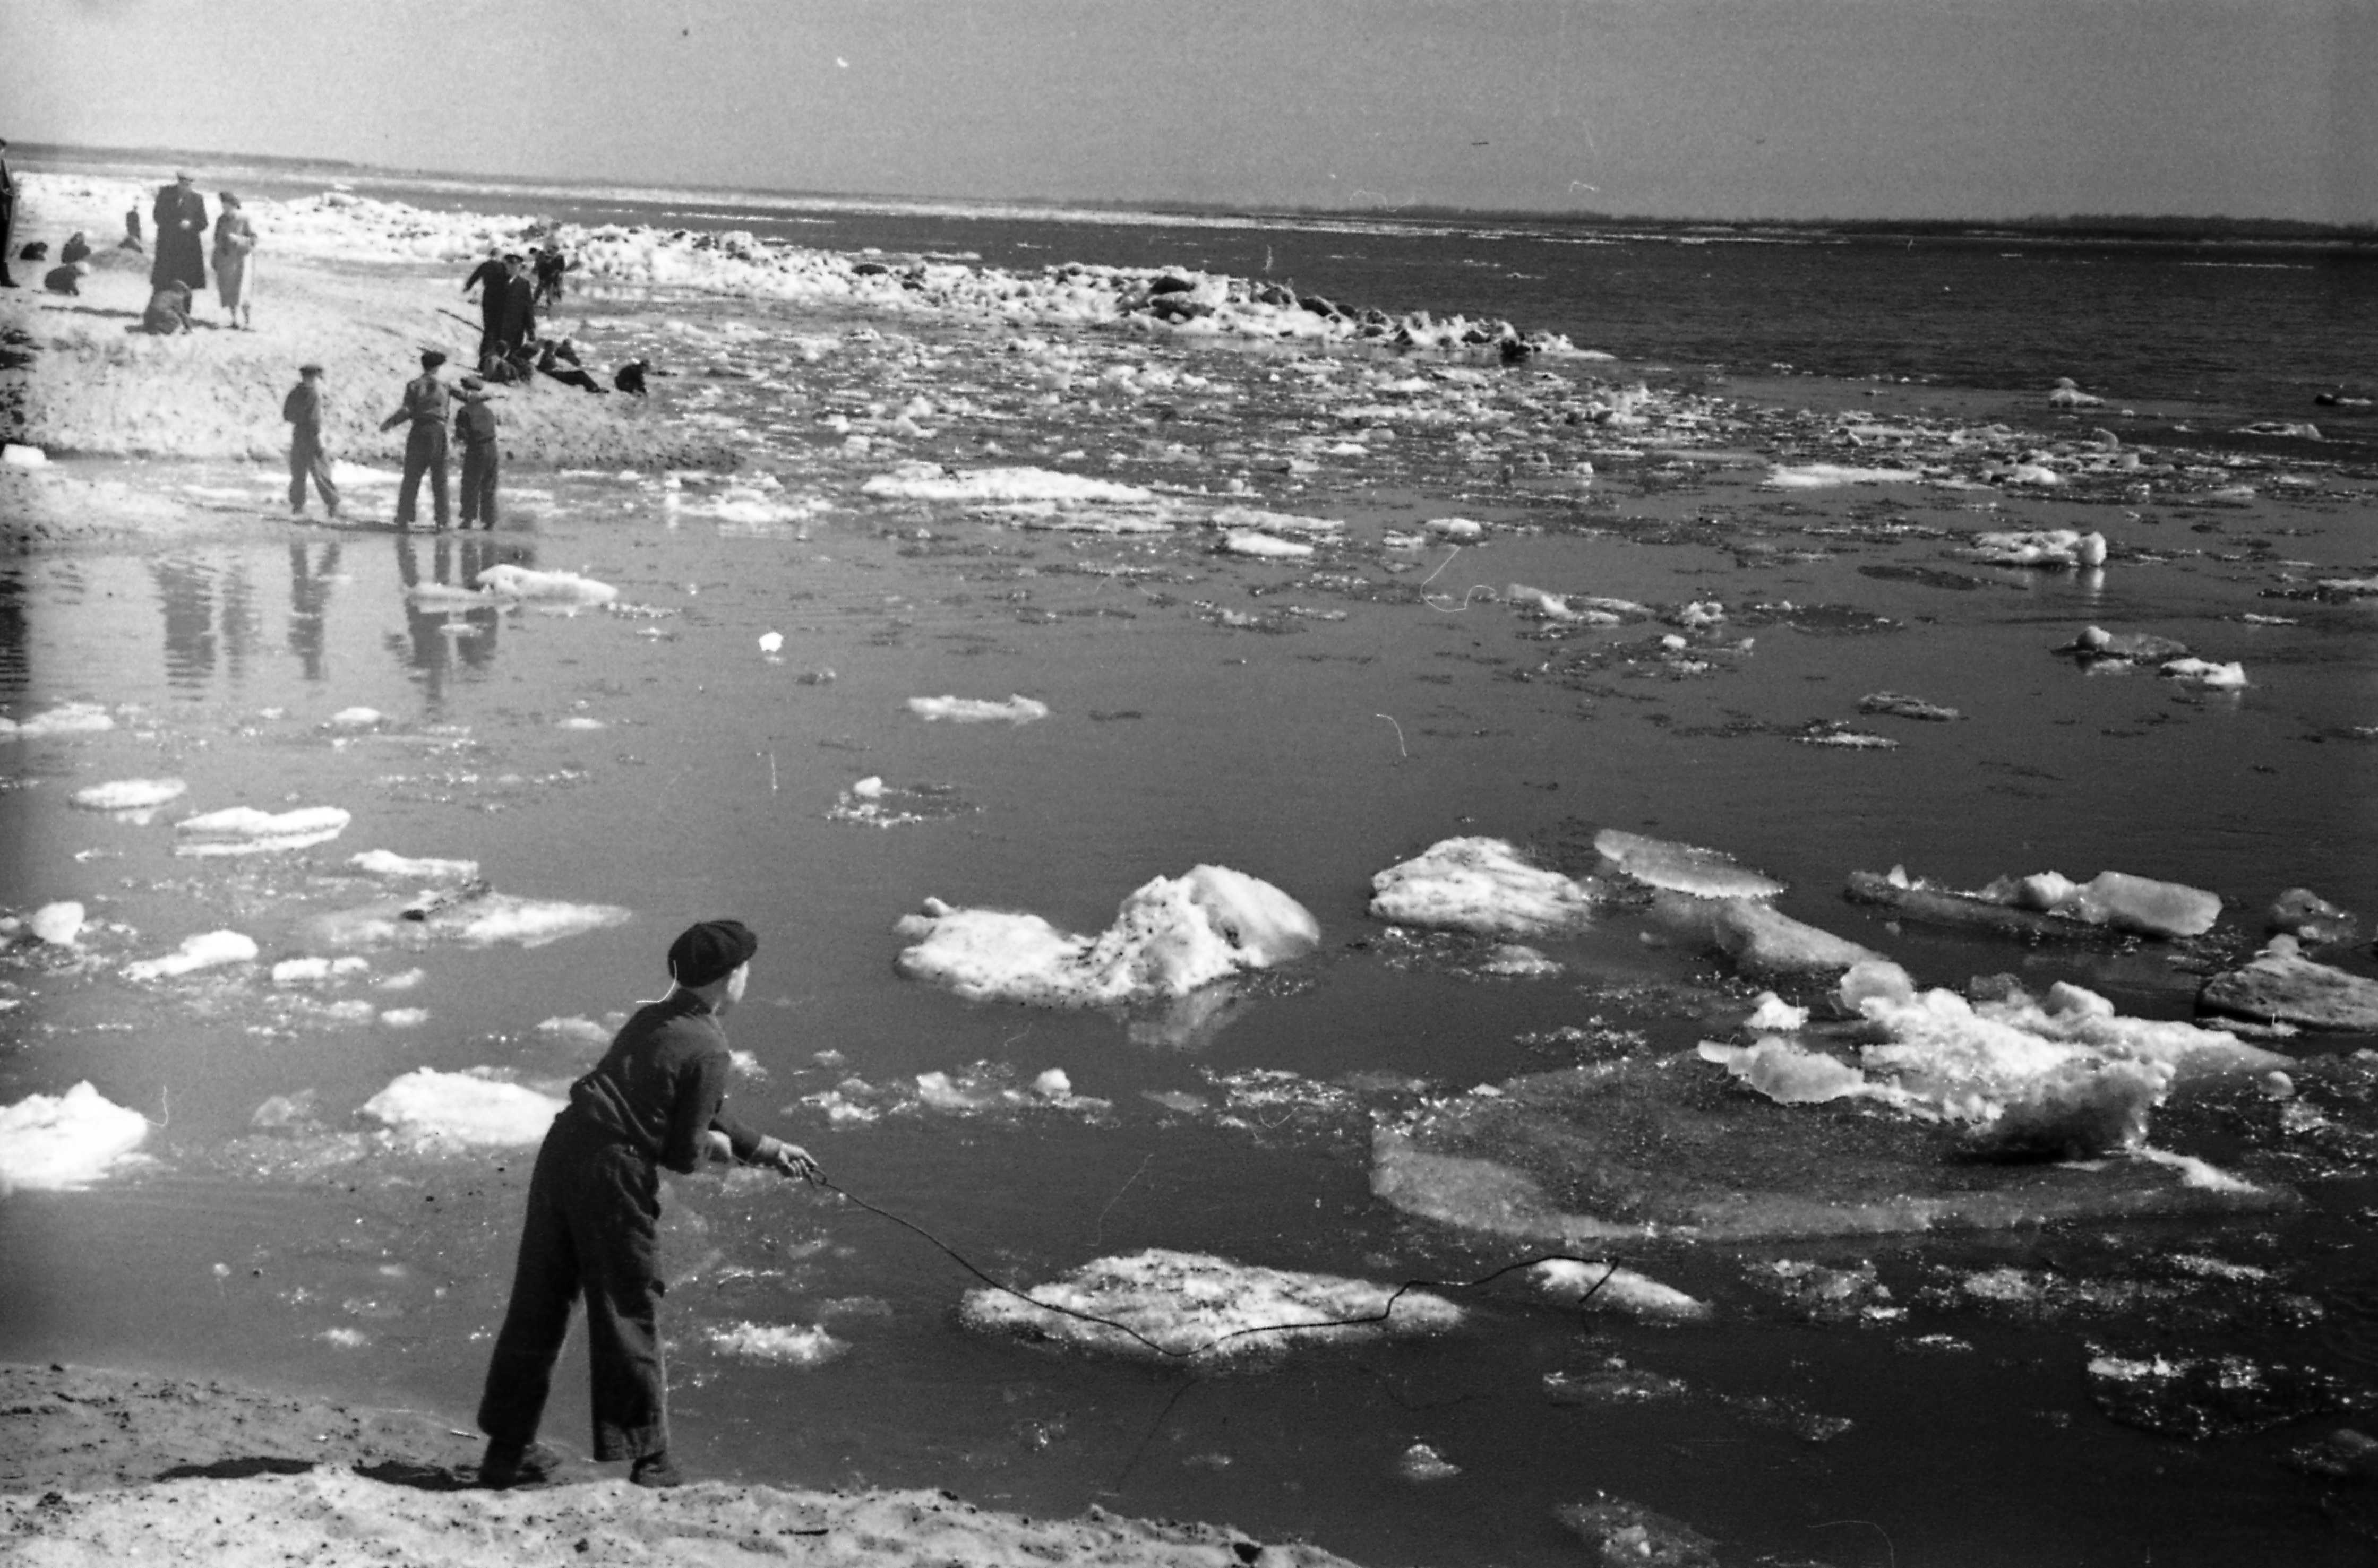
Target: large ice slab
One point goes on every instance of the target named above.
(1191, 1305)
(63, 1141)
(1480, 884)
(244, 830)
(474, 1108)
(471, 916)
(1682, 868)
(1169, 937)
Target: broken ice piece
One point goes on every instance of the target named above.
(1611, 1288)
(58, 924)
(1900, 705)
(1422, 1464)
(129, 795)
(977, 710)
(66, 1141)
(208, 950)
(1682, 868)
(244, 830)
(474, 1108)
(772, 642)
(1482, 885)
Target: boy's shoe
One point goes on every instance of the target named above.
(657, 1471)
(513, 1464)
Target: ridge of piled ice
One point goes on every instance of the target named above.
(1196, 1306)
(1479, 884)
(1682, 868)
(244, 830)
(474, 1108)
(208, 950)
(52, 1142)
(978, 709)
(129, 795)
(2066, 1077)
(67, 718)
(1170, 935)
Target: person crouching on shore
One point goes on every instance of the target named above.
(657, 1099)
(308, 459)
(424, 408)
(169, 309)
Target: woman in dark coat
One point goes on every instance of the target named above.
(181, 217)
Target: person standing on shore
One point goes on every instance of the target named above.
(424, 408)
(181, 214)
(234, 238)
(489, 277)
(308, 459)
(656, 1099)
(8, 216)
(474, 427)
(518, 324)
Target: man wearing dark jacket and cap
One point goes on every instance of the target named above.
(423, 413)
(657, 1099)
(181, 214)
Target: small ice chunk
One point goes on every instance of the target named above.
(386, 863)
(67, 718)
(129, 795)
(978, 711)
(1455, 528)
(2040, 548)
(58, 924)
(62, 1141)
(1245, 541)
(869, 787)
(2205, 672)
(784, 1344)
(1611, 1288)
(404, 1017)
(358, 718)
(1421, 1464)
(474, 1108)
(1772, 1014)
(205, 950)
(1682, 868)
(509, 582)
(1787, 1073)
(1195, 1305)
(15, 454)
(577, 1031)
(1054, 1084)
(244, 830)
(772, 642)
(1479, 884)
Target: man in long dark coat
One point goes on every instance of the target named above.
(489, 277)
(520, 307)
(181, 215)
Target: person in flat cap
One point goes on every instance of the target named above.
(309, 458)
(423, 411)
(656, 1099)
(474, 427)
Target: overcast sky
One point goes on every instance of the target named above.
(1720, 108)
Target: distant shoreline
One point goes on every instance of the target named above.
(2113, 230)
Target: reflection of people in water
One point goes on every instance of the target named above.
(310, 600)
(194, 635)
(439, 632)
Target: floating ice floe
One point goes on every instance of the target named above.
(1263, 522)
(1682, 868)
(244, 830)
(2040, 548)
(2067, 393)
(58, 924)
(296, 972)
(469, 915)
(52, 1142)
(1421, 1464)
(1191, 1305)
(978, 711)
(1480, 884)
(1170, 935)
(2096, 643)
(399, 867)
(208, 950)
(2064, 1076)
(1758, 938)
(132, 796)
(1573, 608)
(474, 1108)
(2047, 904)
(545, 587)
(784, 1344)
(357, 718)
(1611, 1288)
(2204, 672)
(873, 803)
(932, 482)
(67, 718)
(2279, 985)
(1900, 705)
(1830, 475)
(1242, 542)
(1455, 528)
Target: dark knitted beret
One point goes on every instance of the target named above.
(709, 949)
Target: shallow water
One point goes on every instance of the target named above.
(1312, 752)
